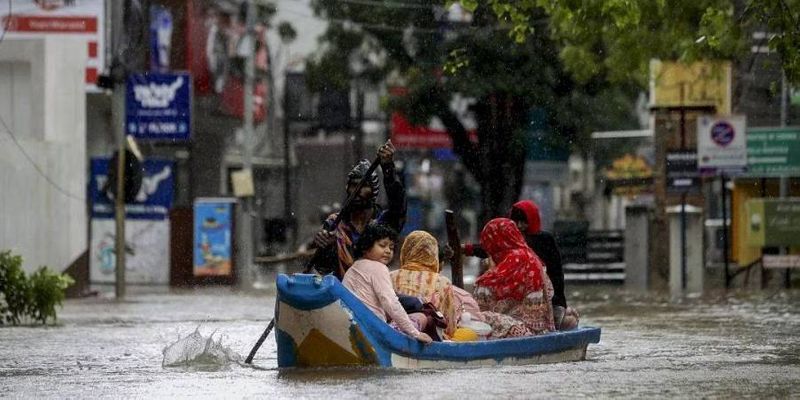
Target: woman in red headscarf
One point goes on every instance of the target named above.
(518, 285)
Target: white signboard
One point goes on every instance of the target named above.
(146, 251)
(78, 18)
(721, 144)
(782, 261)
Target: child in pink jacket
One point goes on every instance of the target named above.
(368, 279)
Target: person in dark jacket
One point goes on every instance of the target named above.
(335, 248)
(525, 215)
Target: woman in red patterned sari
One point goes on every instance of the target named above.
(517, 287)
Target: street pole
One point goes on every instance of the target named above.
(287, 187)
(725, 255)
(246, 239)
(118, 123)
(784, 181)
(683, 199)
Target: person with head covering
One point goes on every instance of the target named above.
(335, 248)
(517, 286)
(527, 218)
(419, 277)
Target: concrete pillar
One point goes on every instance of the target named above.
(637, 247)
(689, 280)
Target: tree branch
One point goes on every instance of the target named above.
(462, 146)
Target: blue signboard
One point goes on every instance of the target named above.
(153, 200)
(157, 106)
(213, 248)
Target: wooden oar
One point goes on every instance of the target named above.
(453, 239)
(309, 266)
(260, 341)
(280, 258)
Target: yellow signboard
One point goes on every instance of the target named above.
(697, 84)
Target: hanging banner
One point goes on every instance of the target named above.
(721, 144)
(38, 18)
(213, 230)
(158, 106)
(161, 27)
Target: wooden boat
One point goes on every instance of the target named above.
(320, 323)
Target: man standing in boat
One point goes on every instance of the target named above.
(335, 248)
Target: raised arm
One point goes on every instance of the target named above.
(395, 213)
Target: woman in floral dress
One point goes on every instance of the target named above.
(515, 296)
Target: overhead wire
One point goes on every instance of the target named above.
(19, 145)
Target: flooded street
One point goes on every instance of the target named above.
(733, 346)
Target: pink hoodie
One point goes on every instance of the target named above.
(370, 282)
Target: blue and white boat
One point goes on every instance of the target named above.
(320, 323)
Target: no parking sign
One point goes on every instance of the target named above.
(721, 144)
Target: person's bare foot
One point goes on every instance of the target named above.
(570, 320)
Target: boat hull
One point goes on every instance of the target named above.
(320, 323)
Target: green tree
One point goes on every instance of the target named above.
(439, 60)
(617, 38)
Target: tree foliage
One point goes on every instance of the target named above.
(439, 60)
(617, 38)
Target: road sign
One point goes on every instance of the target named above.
(781, 261)
(721, 144)
(773, 151)
(158, 106)
(773, 222)
(682, 174)
(152, 202)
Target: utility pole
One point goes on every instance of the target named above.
(118, 75)
(246, 239)
(287, 187)
(783, 183)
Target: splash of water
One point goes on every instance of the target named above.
(196, 351)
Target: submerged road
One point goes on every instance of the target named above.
(733, 345)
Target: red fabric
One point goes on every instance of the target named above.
(531, 211)
(469, 249)
(519, 270)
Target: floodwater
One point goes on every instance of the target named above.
(733, 345)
